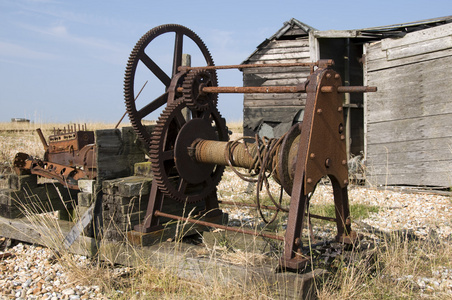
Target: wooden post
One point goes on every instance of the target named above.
(186, 62)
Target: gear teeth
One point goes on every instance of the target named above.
(129, 76)
(190, 91)
(157, 143)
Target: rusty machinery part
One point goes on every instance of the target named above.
(193, 84)
(170, 81)
(288, 154)
(260, 156)
(176, 174)
(66, 175)
(69, 156)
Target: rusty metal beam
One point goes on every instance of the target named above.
(314, 216)
(328, 62)
(214, 225)
(301, 88)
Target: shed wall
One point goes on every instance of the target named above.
(409, 120)
(270, 114)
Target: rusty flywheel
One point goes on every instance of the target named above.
(170, 81)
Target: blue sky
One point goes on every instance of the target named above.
(64, 61)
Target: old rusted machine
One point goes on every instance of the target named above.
(190, 151)
(68, 157)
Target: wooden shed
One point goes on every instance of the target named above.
(404, 131)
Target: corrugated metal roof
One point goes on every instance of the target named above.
(399, 30)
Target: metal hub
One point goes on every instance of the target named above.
(193, 84)
(176, 174)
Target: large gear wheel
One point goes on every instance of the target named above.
(176, 174)
(192, 89)
(170, 81)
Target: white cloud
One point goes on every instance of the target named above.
(63, 34)
(58, 30)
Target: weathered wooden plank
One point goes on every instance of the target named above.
(438, 126)
(377, 60)
(271, 114)
(284, 81)
(272, 70)
(383, 112)
(386, 154)
(279, 57)
(415, 37)
(46, 231)
(271, 103)
(417, 179)
(274, 97)
(374, 52)
(420, 173)
(187, 263)
(380, 64)
(250, 80)
(278, 75)
(283, 61)
(435, 145)
(420, 48)
(281, 50)
(304, 42)
(336, 34)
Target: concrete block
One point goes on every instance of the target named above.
(86, 185)
(84, 199)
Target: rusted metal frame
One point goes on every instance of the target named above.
(42, 138)
(301, 88)
(344, 232)
(136, 97)
(64, 174)
(249, 66)
(292, 257)
(314, 216)
(214, 225)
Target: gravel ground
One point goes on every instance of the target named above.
(30, 272)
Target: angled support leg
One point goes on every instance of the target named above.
(344, 232)
(151, 222)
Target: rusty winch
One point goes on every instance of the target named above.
(189, 151)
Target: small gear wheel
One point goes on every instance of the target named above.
(192, 89)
